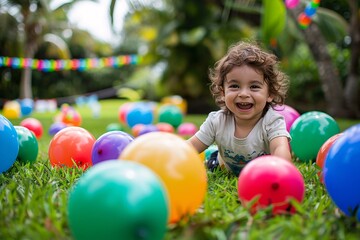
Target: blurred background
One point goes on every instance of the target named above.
(149, 49)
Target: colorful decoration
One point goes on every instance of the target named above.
(305, 18)
(82, 64)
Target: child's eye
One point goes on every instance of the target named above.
(255, 87)
(233, 86)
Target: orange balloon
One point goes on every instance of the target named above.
(178, 165)
(71, 146)
(323, 151)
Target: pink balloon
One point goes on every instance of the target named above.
(289, 113)
(273, 181)
(291, 3)
(187, 129)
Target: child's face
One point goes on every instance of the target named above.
(246, 93)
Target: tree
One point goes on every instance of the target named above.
(342, 100)
(34, 19)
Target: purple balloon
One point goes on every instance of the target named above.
(289, 113)
(56, 127)
(148, 128)
(109, 146)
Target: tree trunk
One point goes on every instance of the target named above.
(25, 84)
(330, 80)
(352, 82)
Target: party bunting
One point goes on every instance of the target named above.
(81, 64)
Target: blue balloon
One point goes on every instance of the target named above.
(139, 113)
(310, 10)
(341, 172)
(9, 144)
(26, 106)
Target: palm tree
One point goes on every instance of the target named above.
(35, 21)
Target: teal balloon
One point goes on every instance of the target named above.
(210, 150)
(118, 200)
(28, 145)
(9, 144)
(309, 132)
(170, 114)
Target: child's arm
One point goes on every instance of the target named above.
(279, 146)
(197, 144)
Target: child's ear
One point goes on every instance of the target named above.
(269, 99)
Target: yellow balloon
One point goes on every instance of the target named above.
(12, 110)
(178, 165)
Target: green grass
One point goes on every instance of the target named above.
(33, 199)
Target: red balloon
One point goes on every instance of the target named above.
(33, 125)
(71, 146)
(270, 181)
(165, 127)
(323, 151)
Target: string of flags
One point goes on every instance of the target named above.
(81, 64)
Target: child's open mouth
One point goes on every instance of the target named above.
(244, 106)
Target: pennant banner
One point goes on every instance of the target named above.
(82, 64)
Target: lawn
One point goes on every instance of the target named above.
(33, 198)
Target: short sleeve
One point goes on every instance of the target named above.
(207, 130)
(275, 126)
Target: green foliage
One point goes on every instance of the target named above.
(33, 199)
(273, 19)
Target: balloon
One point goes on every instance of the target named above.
(71, 147)
(170, 114)
(309, 10)
(9, 144)
(148, 129)
(187, 129)
(11, 110)
(28, 145)
(289, 114)
(114, 127)
(341, 172)
(209, 151)
(118, 200)
(123, 111)
(323, 151)
(309, 132)
(26, 106)
(304, 20)
(177, 101)
(178, 165)
(56, 127)
(291, 3)
(71, 117)
(109, 146)
(139, 113)
(135, 130)
(165, 127)
(274, 181)
(33, 125)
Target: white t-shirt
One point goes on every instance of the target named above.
(235, 153)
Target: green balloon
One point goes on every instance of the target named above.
(28, 145)
(114, 127)
(309, 132)
(118, 199)
(171, 114)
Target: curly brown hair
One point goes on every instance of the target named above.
(250, 54)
